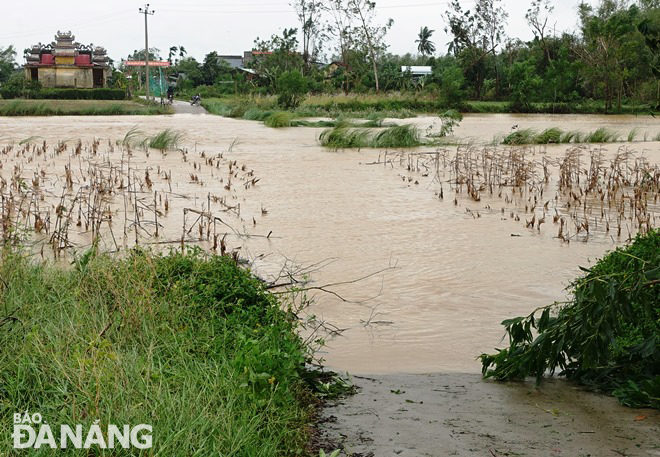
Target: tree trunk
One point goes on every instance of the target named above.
(371, 47)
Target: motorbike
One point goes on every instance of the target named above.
(195, 100)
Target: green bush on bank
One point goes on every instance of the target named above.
(190, 344)
(607, 336)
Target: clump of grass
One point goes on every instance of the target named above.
(602, 135)
(549, 136)
(278, 119)
(133, 137)
(194, 338)
(632, 134)
(572, 136)
(400, 136)
(523, 136)
(165, 139)
(555, 135)
(344, 137)
(257, 114)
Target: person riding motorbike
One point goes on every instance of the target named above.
(170, 94)
(196, 99)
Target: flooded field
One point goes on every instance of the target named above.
(451, 268)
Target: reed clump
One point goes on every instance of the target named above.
(398, 136)
(556, 135)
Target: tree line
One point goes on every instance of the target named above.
(341, 45)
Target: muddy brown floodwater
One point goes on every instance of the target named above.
(458, 271)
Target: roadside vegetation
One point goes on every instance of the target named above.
(191, 344)
(605, 337)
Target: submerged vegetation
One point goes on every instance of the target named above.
(190, 344)
(605, 336)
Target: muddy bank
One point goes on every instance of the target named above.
(462, 415)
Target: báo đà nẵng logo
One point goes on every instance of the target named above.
(31, 431)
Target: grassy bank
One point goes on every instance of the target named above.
(393, 105)
(605, 336)
(78, 108)
(190, 344)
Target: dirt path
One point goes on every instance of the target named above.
(181, 107)
(462, 415)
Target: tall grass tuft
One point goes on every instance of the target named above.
(400, 136)
(133, 137)
(549, 136)
(632, 134)
(523, 136)
(344, 137)
(278, 119)
(602, 135)
(164, 140)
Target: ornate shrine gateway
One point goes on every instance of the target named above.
(66, 63)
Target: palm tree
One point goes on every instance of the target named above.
(182, 52)
(424, 45)
(173, 51)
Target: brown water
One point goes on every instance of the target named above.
(457, 276)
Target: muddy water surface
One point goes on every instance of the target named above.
(456, 275)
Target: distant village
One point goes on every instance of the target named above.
(66, 63)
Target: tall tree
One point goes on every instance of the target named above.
(278, 54)
(613, 49)
(537, 17)
(476, 35)
(309, 14)
(373, 35)
(7, 62)
(424, 44)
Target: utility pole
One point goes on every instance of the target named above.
(146, 12)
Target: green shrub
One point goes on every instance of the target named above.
(607, 336)
(291, 89)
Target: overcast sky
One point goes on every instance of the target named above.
(225, 26)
